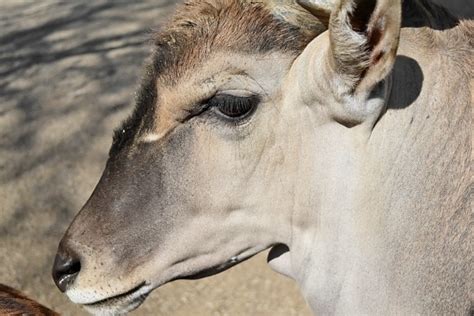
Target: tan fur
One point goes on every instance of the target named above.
(374, 214)
(247, 27)
(199, 28)
(208, 47)
(397, 196)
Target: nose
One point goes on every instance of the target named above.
(66, 267)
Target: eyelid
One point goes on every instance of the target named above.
(235, 93)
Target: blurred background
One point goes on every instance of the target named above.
(68, 71)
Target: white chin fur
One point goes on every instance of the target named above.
(112, 310)
(108, 304)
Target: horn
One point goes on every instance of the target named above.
(321, 9)
(293, 13)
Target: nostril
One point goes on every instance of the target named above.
(66, 267)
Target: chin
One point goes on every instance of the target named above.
(114, 308)
(128, 301)
(119, 304)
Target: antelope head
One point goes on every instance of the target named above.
(201, 176)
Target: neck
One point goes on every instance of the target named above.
(375, 192)
(329, 244)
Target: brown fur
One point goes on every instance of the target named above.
(13, 302)
(200, 28)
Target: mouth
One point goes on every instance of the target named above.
(131, 299)
(216, 269)
(121, 303)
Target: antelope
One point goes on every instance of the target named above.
(336, 133)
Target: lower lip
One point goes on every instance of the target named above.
(129, 297)
(114, 309)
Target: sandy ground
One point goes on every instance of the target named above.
(68, 71)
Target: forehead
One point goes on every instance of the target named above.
(206, 39)
(202, 27)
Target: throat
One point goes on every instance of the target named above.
(334, 248)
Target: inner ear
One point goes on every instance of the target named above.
(374, 36)
(364, 20)
(360, 16)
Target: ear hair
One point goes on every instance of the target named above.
(348, 47)
(364, 39)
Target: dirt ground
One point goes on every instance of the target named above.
(68, 71)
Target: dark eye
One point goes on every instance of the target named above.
(232, 106)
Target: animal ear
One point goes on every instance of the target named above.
(364, 38)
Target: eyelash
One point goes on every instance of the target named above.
(233, 107)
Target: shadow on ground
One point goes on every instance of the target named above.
(68, 71)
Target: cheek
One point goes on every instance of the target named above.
(229, 169)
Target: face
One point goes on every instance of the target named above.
(199, 177)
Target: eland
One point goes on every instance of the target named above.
(336, 133)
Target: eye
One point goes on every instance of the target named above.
(234, 107)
